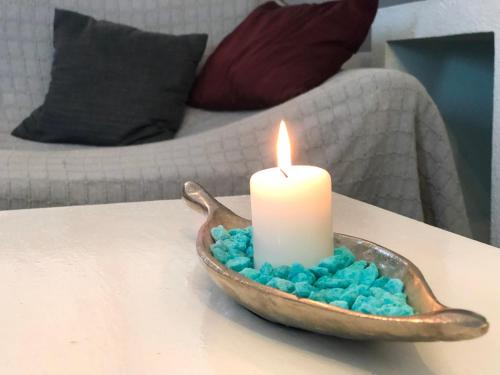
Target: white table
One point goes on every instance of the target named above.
(118, 289)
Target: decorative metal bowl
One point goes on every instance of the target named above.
(432, 322)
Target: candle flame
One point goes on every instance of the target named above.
(284, 149)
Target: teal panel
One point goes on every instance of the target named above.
(458, 72)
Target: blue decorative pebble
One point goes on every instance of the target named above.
(282, 284)
(327, 295)
(329, 281)
(392, 299)
(240, 241)
(266, 269)
(251, 273)
(303, 276)
(352, 272)
(318, 295)
(295, 269)
(364, 305)
(239, 264)
(333, 294)
(353, 291)
(303, 289)
(219, 233)
(377, 292)
(380, 282)
(282, 272)
(369, 275)
(339, 260)
(264, 278)
(401, 296)
(345, 255)
(339, 280)
(235, 231)
(394, 286)
(395, 310)
(234, 252)
(219, 253)
(319, 271)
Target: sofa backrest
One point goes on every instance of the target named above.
(26, 37)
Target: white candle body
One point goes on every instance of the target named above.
(291, 216)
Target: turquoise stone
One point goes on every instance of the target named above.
(318, 295)
(333, 294)
(282, 272)
(238, 264)
(327, 295)
(339, 280)
(266, 269)
(338, 261)
(353, 291)
(303, 276)
(282, 284)
(369, 275)
(364, 305)
(380, 282)
(303, 289)
(395, 310)
(236, 253)
(331, 282)
(352, 272)
(251, 273)
(394, 286)
(346, 256)
(295, 269)
(219, 253)
(319, 271)
(219, 233)
(264, 279)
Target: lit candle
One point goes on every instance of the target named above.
(291, 211)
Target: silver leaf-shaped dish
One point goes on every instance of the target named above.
(432, 322)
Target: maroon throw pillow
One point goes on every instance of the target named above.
(278, 52)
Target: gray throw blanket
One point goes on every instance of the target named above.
(377, 131)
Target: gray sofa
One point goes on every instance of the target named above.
(377, 131)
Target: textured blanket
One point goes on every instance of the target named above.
(377, 131)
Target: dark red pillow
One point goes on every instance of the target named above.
(278, 52)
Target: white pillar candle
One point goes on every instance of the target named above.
(291, 211)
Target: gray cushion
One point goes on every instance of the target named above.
(113, 84)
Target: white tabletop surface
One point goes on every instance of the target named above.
(118, 289)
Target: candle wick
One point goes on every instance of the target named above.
(282, 171)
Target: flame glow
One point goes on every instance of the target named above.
(284, 149)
